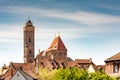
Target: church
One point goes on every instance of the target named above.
(54, 57)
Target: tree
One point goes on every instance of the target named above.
(71, 74)
(45, 74)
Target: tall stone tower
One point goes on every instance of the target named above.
(28, 42)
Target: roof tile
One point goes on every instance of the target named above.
(57, 44)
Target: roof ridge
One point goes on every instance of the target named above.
(114, 57)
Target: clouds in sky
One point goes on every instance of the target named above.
(76, 20)
(94, 22)
(78, 16)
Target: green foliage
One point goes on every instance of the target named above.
(45, 74)
(99, 76)
(72, 74)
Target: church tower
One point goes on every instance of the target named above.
(28, 42)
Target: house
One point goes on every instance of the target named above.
(86, 64)
(55, 56)
(112, 66)
(21, 75)
(28, 68)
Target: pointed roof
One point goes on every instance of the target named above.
(114, 57)
(57, 44)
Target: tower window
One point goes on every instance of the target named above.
(29, 39)
(30, 52)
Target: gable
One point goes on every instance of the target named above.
(91, 69)
(20, 75)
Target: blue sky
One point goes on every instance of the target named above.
(89, 28)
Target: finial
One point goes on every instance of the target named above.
(59, 33)
(38, 51)
(90, 59)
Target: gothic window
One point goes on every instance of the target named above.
(30, 52)
(115, 68)
(29, 40)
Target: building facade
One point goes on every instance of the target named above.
(55, 56)
(112, 66)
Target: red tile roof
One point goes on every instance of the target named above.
(114, 57)
(83, 61)
(57, 44)
(29, 68)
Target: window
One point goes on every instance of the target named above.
(30, 52)
(52, 64)
(29, 39)
(63, 65)
(42, 64)
(115, 68)
(17, 75)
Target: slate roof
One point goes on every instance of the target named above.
(57, 44)
(114, 57)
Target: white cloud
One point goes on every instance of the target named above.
(14, 33)
(80, 16)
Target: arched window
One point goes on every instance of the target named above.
(30, 51)
(29, 40)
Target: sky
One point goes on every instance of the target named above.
(88, 28)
